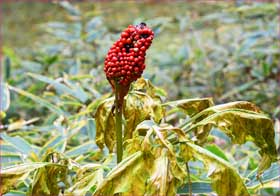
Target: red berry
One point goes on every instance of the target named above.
(125, 59)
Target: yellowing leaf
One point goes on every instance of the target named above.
(147, 87)
(202, 132)
(105, 125)
(20, 124)
(244, 125)
(143, 174)
(225, 179)
(125, 177)
(192, 106)
(150, 166)
(11, 175)
(46, 179)
(138, 106)
(88, 176)
(245, 105)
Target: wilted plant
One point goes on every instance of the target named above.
(157, 154)
(161, 146)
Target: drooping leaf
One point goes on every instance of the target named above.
(192, 106)
(225, 179)
(11, 175)
(89, 176)
(105, 125)
(120, 179)
(147, 87)
(242, 125)
(202, 132)
(141, 174)
(47, 179)
(139, 107)
(150, 166)
(141, 103)
(245, 105)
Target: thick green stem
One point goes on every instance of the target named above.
(118, 118)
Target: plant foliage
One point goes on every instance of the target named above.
(58, 133)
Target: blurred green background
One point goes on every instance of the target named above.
(225, 50)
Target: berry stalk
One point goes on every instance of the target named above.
(118, 120)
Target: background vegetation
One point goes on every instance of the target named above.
(53, 68)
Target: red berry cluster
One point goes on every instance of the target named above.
(125, 60)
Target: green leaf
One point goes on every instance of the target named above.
(11, 175)
(7, 148)
(256, 9)
(91, 129)
(5, 97)
(82, 149)
(15, 193)
(242, 125)
(239, 89)
(197, 187)
(18, 143)
(76, 92)
(32, 66)
(39, 100)
(10, 159)
(57, 143)
(271, 174)
(70, 8)
(217, 151)
(225, 179)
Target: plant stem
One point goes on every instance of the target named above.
(118, 118)
(189, 179)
